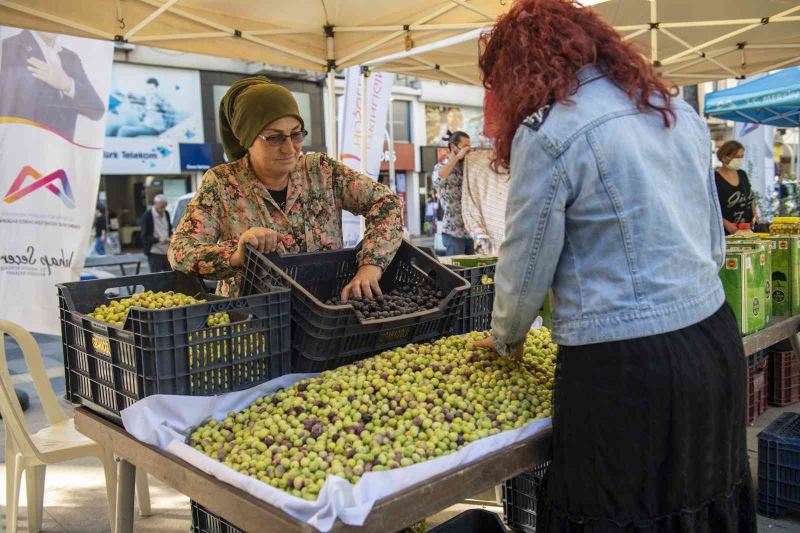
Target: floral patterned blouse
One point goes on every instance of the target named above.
(231, 200)
(450, 190)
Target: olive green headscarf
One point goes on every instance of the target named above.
(248, 106)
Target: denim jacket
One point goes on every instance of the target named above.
(615, 212)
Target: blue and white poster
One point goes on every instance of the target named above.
(151, 111)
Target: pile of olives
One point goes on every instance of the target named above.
(401, 407)
(402, 300)
(116, 311)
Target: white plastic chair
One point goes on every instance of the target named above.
(59, 442)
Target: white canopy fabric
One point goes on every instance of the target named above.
(692, 40)
(292, 34)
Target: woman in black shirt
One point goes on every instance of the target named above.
(733, 188)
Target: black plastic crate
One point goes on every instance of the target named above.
(779, 466)
(519, 499)
(472, 521)
(169, 351)
(204, 521)
(476, 314)
(328, 336)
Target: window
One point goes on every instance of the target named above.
(401, 121)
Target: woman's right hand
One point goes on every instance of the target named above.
(730, 227)
(264, 240)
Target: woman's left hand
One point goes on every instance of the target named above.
(364, 284)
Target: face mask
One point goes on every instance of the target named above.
(736, 164)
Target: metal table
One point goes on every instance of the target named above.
(116, 260)
(250, 514)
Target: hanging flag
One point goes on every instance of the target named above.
(52, 120)
(379, 95)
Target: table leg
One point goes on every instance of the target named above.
(126, 484)
(122, 268)
(138, 266)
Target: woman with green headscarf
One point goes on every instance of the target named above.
(275, 198)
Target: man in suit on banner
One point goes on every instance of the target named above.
(44, 82)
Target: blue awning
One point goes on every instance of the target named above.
(773, 100)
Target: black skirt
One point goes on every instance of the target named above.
(649, 435)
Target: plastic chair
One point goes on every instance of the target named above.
(59, 442)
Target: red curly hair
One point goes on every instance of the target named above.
(532, 56)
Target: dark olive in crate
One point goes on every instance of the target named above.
(181, 350)
(401, 301)
(327, 336)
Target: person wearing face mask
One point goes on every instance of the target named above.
(733, 188)
(275, 198)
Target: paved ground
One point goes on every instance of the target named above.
(75, 500)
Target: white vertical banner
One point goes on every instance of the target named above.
(759, 158)
(379, 94)
(53, 94)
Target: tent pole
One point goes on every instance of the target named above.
(179, 36)
(775, 66)
(364, 147)
(734, 22)
(449, 72)
(705, 57)
(721, 38)
(59, 20)
(150, 18)
(364, 74)
(333, 146)
(436, 14)
(653, 32)
(390, 132)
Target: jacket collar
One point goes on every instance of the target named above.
(589, 73)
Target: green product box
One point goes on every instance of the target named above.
(743, 277)
(763, 262)
(473, 260)
(785, 274)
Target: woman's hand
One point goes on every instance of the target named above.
(364, 284)
(264, 240)
(488, 344)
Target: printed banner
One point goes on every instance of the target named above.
(379, 95)
(759, 160)
(151, 110)
(52, 118)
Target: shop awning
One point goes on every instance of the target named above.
(692, 41)
(773, 100)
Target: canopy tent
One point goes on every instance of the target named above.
(773, 100)
(692, 41)
(686, 39)
(434, 39)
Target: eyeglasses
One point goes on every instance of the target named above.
(278, 139)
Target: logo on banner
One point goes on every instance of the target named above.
(49, 182)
